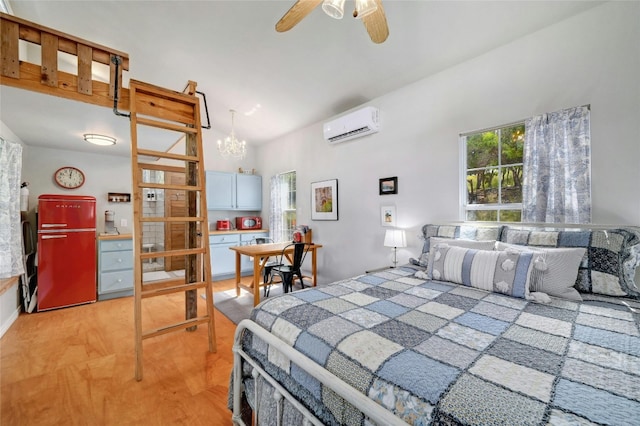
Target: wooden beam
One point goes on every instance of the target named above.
(49, 67)
(9, 45)
(30, 32)
(85, 54)
(67, 87)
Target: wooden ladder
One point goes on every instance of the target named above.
(177, 114)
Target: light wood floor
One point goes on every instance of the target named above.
(75, 366)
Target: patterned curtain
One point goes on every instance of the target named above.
(556, 184)
(11, 263)
(276, 229)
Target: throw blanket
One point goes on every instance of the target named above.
(439, 353)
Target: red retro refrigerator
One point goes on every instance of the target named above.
(66, 251)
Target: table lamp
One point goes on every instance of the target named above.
(395, 238)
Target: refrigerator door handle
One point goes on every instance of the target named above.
(54, 225)
(48, 237)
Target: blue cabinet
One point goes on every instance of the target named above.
(248, 192)
(233, 191)
(115, 268)
(223, 260)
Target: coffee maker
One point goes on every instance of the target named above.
(109, 222)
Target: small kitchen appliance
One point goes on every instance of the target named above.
(66, 250)
(223, 225)
(109, 222)
(248, 222)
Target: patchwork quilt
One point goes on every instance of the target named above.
(437, 353)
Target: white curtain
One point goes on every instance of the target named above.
(276, 227)
(11, 263)
(556, 184)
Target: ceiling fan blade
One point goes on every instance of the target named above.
(294, 15)
(376, 24)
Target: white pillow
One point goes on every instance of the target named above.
(555, 271)
(478, 245)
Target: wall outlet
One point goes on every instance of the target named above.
(123, 223)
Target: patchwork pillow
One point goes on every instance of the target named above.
(506, 272)
(555, 269)
(612, 256)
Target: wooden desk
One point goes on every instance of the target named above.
(260, 254)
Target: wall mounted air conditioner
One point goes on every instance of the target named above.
(355, 124)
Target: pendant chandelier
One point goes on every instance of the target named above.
(231, 146)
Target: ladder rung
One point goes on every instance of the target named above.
(161, 291)
(170, 186)
(154, 285)
(169, 253)
(171, 219)
(169, 155)
(175, 327)
(166, 125)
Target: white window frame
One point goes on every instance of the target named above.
(287, 231)
(499, 207)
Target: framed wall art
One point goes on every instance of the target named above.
(388, 215)
(324, 200)
(389, 185)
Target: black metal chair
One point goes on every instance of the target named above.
(287, 272)
(266, 273)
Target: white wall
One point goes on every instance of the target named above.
(107, 173)
(593, 58)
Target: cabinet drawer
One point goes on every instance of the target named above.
(116, 281)
(224, 239)
(246, 238)
(115, 245)
(114, 260)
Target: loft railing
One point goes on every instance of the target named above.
(47, 77)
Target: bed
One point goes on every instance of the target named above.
(488, 325)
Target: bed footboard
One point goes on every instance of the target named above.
(374, 411)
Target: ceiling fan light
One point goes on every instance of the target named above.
(365, 7)
(99, 139)
(334, 8)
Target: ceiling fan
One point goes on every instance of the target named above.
(370, 11)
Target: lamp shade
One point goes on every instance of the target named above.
(395, 238)
(365, 7)
(334, 8)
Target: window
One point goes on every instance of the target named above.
(492, 174)
(282, 221)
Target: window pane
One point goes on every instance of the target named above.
(482, 215)
(510, 216)
(482, 186)
(512, 140)
(512, 184)
(482, 150)
(287, 217)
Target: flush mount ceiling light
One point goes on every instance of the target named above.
(231, 146)
(99, 139)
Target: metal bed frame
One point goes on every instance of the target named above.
(372, 410)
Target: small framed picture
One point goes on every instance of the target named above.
(324, 200)
(388, 215)
(389, 185)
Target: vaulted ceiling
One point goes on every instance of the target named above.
(278, 82)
